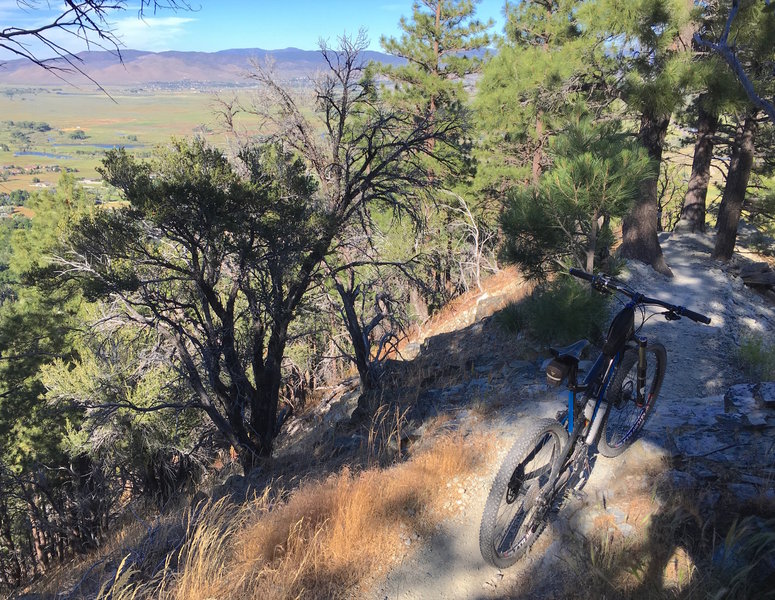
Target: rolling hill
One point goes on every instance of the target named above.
(227, 67)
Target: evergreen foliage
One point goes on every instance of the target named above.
(565, 220)
(36, 325)
(528, 90)
(205, 258)
(557, 313)
(444, 45)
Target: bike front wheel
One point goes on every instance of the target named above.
(626, 414)
(515, 511)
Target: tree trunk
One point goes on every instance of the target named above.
(14, 573)
(592, 243)
(263, 419)
(538, 153)
(693, 210)
(639, 228)
(38, 544)
(357, 337)
(734, 191)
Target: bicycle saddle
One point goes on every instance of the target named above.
(573, 351)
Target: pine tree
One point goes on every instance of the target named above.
(754, 32)
(37, 323)
(740, 165)
(543, 68)
(718, 95)
(443, 44)
(650, 42)
(565, 220)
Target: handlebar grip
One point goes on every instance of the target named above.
(581, 274)
(685, 312)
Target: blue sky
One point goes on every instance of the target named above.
(268, 24)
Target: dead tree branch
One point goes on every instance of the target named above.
(729, 54)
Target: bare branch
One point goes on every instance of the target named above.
(86, 22)
(727, 52)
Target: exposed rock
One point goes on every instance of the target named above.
(484, 369)
(346, 444)
(522, 365)
(677, 480)
(765, 394)
(740, 399)
(410, 351)
(477, 386)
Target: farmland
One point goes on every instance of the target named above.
(47, 130)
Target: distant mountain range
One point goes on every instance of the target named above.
(227, 67)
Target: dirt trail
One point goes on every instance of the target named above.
(619, 496)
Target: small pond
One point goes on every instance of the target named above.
(43, 154)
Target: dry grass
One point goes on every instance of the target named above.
(327, 539)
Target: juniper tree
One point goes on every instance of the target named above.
(218, 256)
(202, 256)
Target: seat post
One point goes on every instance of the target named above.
(573, 376)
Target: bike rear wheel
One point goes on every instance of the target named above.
(625, 416)
(515, 511)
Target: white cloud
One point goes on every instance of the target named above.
(16, 15)
(151, 33)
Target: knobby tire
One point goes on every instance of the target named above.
(513, 516)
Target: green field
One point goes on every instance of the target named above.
(141, 119)
(82, 124)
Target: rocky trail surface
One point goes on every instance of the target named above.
(709, 440)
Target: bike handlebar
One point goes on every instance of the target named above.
(601, 282)
(582, 274)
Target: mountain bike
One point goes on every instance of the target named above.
(606, 410)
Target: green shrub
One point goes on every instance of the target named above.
(756, 357)
(558, 313)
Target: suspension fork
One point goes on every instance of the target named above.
(642, 342)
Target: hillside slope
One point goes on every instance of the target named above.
(340, 513)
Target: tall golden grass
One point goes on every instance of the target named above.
(327, 539)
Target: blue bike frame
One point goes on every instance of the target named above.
(586, 387)
(600, 364)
